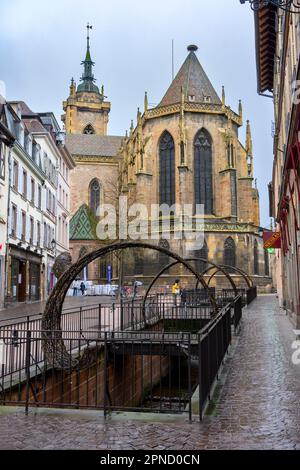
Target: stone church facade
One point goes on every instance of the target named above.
(186, 150)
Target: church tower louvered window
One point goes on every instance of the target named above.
(203, 171)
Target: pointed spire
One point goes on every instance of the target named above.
(194, 81)
(131, 127)
(146, 102)
(72, 87)
(87, 78)
(248, 139)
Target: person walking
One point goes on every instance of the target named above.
(183, 301)
(82, 287)
(176, 291)
(75, 288)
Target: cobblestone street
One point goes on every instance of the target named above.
(256, 404)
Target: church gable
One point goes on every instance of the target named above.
(83, 224)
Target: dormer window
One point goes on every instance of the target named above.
(207, 99)
(192, 98)
(89, 129)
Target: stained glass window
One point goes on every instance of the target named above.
(166, 169)
(200, 266)
(203, 171)
(229, 252)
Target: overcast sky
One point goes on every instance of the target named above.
(43, 43)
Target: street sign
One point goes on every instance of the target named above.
(271, 239)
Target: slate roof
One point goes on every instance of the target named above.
(34, 125)
(194, 81)
(93, 145)
(83, 224)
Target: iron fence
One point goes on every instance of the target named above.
(118, 370)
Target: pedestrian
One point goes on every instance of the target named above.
(183, 299)
(176, 291)
(82, 287)
(75, 288)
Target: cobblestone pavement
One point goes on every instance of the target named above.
(257, 406)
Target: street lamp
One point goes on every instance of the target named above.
(292, 6)
(260, 231)
(53, 244)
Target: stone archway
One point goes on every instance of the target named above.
(53, 344)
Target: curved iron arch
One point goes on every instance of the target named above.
(170, 265)
(224, 266)
(53, 344)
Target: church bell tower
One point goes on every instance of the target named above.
(85, 110)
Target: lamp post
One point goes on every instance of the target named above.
(292, 6)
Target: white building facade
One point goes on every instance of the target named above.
(6, 141)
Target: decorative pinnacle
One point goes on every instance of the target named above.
(223, 95)
(146, 102)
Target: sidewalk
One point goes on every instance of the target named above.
(257, 406)
(35, 308)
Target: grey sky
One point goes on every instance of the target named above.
(43, 43)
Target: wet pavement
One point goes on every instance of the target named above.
(256, 404)
(15, 311)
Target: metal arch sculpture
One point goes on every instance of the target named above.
(170, 265)
(224, 266)
(53, 344)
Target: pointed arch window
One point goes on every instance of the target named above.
(203, 180)
(200, 266)
(94, 195)
(89, 129)
(229, 252)
(255, 258)
(166, 169)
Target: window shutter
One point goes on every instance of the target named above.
(34, 232)
(12, 172)
(27, 237)
(42, 235)
(28, 187)
(19, 224)
(44, 193)
(20, 179)
(9, 220)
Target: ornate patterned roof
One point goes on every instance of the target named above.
(194, 81)
(83, 224)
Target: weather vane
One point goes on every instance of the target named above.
(291, 6)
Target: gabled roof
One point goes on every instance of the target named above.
(83, 224)
(93, 145)
(194, 81)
